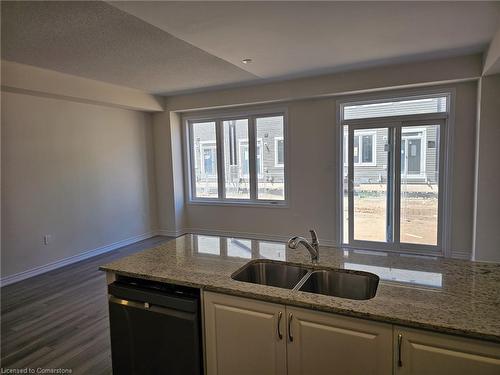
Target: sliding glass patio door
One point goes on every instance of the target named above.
(392, 184)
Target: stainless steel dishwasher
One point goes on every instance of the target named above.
(155, 328)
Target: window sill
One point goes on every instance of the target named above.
(234, 203)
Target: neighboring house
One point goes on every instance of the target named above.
(419, 150)
(269, 152)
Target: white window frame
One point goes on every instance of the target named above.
(218, 117)
(446, 122)
(276, 164)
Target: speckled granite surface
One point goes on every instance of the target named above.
(451, 296)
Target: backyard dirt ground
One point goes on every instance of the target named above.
(419, 215)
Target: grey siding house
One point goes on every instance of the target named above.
(419, 155)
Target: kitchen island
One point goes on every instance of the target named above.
(456, 297)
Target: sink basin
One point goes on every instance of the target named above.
(278, 274)
(358, 285)
(342, 283)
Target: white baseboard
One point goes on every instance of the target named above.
(7, 280)
(170, 233)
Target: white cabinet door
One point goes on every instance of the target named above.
(321, 343)
(426, 353)
(242, 336)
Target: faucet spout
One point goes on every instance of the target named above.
(313, 247)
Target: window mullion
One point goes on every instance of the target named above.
(252, 167)
(220, 159)
(444, 214)
(192, 160)
(350, 183)
(396, 190)
(391, 159)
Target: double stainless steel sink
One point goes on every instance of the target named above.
(357, 285)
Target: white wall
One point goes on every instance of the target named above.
(462, 186)
(312, 169)
(404, 75)
(167, 134)
(163, 170)
(92, 175)
(487, 226)
(82, 173)
(312, 173)
(37, 81)
(311, 104)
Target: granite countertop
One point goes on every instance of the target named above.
(445, 295)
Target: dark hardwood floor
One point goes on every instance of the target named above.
(60, 319)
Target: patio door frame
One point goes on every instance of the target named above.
(395, 125)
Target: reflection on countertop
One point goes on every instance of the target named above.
(448, 295)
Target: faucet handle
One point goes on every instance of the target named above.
(314, 237)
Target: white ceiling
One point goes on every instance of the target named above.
(169, 47)
(296, 38)
(94, 40)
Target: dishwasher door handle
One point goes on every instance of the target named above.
(125, 302)
(146, 306)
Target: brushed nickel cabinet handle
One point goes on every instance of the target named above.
(400, 343)
(278, 328)
(290, 336)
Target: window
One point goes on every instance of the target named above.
(237, 184)
(279, 152)
(364, 148)
(205, 159)
(244, 157)
(392, 186)
(208, 159)
(413, 154)
(237, 160)
(389, 108)
(271, 182)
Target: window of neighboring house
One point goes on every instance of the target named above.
(395, 203)
(237, 160)
(245, 157)
(209, 159)
(413, 152)
(279, 152)
(364, 148)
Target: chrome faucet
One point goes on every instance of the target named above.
(312, 247)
